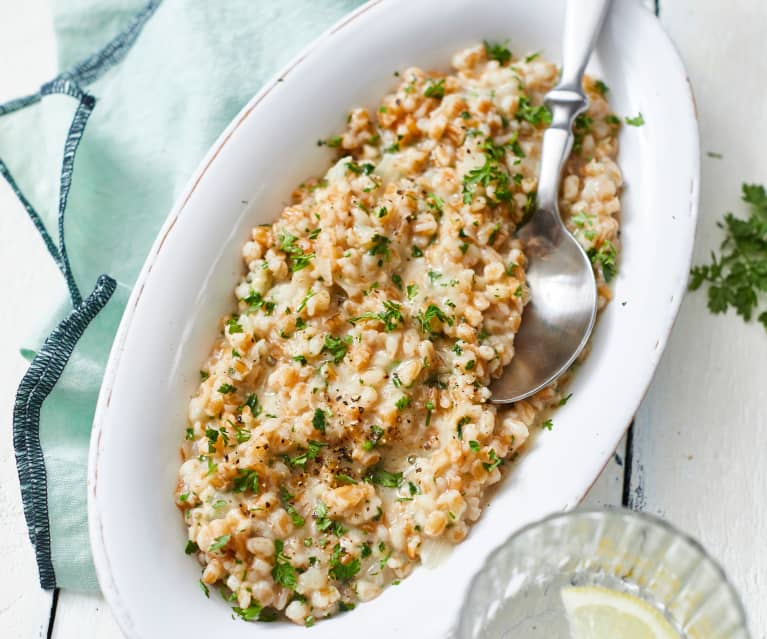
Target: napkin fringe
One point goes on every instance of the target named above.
(36, 385)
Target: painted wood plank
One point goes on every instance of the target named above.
(28, 58)
(701, 432)
(608, 489)
(80, 616)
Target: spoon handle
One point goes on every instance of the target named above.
(583, 21)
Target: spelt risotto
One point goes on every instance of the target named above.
(341, 424)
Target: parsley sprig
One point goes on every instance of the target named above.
(738, 275)
(391, 316)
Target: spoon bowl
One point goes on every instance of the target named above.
(558, 319)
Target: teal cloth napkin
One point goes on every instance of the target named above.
(97, 157)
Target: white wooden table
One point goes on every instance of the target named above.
(698, 439)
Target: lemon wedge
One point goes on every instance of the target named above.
(601, 613)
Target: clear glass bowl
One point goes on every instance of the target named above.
(517, 592)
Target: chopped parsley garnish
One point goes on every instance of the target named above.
(204, 375)
(332, 142)
(241, 434)
(391, 316)
(384, 478)
(225, 389)
(283, 572)
(581, 126)
(435, 89)
(547, 425)
(312, 451)
(189, 436)
(301, 359)
(489, 173)
(461, 423)
(367, 168)
(638, 120)
(432, 312)
(297, 259)
(436, 203)
(417, 252)
(255, 612)
(204, 587)
(403, 402)
(612, 119)
(324, 523)
(564, 400)
(336, 347)
(319, 421)
(605, 256)
(738, 276)
(252, 403)
(494, 462)
(376, 432)
(343, 478)
(309, 295)
(191, 548)
(219, 543)
(601, 87)
(497, 51)
(295, 516)
(412, 291)
(471, 364)
(314, 233)
(494, 234)
(474, 445)
(532, 56)
(233, 325)
(340, 570)
(379, 246)
(256, 301)
(397, 280)
(535, 115)
(246, 480)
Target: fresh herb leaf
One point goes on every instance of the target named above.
(497, 51)
(737, 278)
(336, 347)
(494, 462)
(246, 480)
(225, 389)
(384, 478)
(547, 425)
(535, 115)
(605, 257)
(379, 245)
(233, 325)
(283, 573)
(435, 89)
(191, 548)
(319, 421)
(297, 258)
(427, 317)
(219, 543)
(391, 316)
(638, 120)
(340, 569)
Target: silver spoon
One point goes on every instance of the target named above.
(558, 320)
